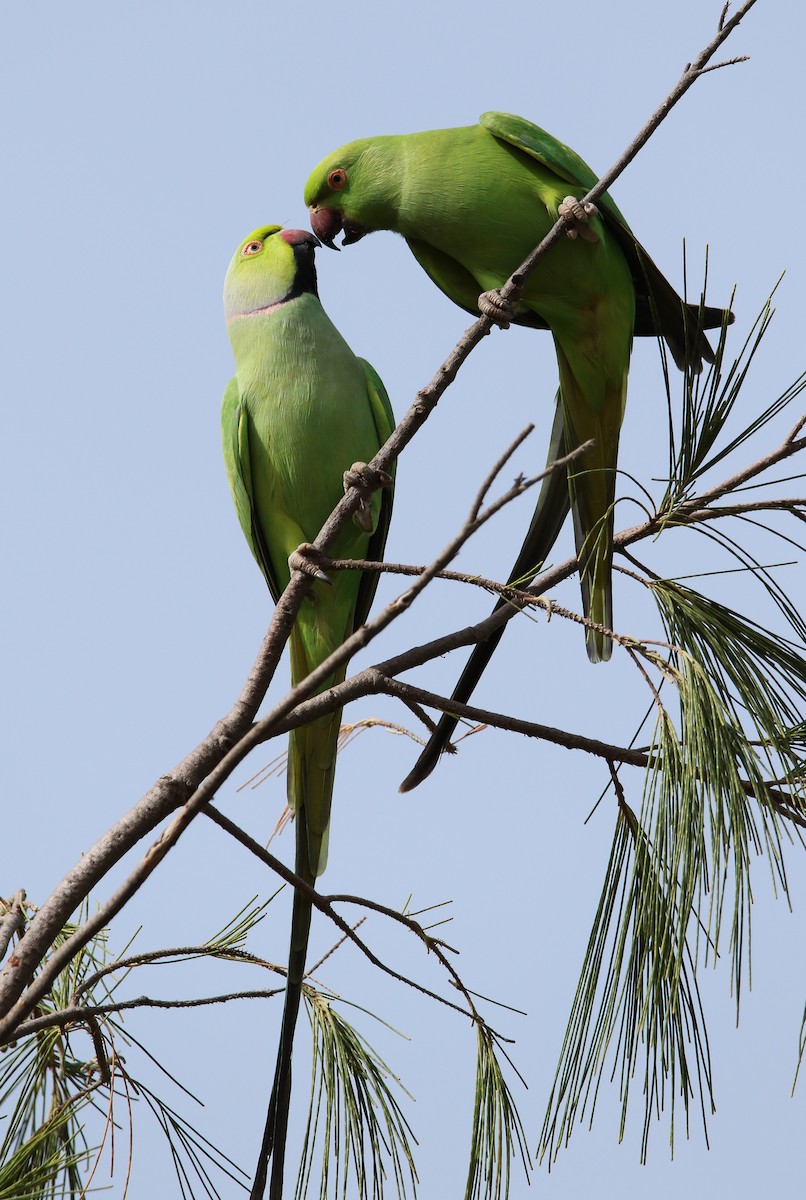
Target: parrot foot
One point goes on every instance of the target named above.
(308, 559)
(496, 308)
(361, 475)
(579, 214)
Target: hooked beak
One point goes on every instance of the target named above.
(352, 232)
(299, 237)
(327, 223)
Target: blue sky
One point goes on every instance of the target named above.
(141, 143)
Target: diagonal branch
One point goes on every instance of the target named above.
(781, 801)
(363, 636)
(325, 905)
(693, 71)
(687, 514)
(80, 1015)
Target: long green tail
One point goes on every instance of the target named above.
(311, 769)
(549, 516)
(592, 489)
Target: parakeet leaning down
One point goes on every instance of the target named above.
(300, 411)
(472, 203)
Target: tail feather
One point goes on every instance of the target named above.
(592, 488)
(272, 1148)
(660, 311)
(312, 765)
(548, 519)
(311, 769)
(595, 553)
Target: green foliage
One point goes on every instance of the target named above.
(45, 1163)
(52, 1094)
(497, 1129)
(47, 1087)
(362, 1127)
(725, 783)
(638, 987)
(697, 424)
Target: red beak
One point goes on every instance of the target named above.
(326, 224)
(299, 237)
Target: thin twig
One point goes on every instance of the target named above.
(685, 515)
(693, 71)
(325, 905)
(166, 958)
(366, 633)
(82, 1015)
(336, 946)
(779, 800)
(101, 1057)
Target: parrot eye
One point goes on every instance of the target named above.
(337, 179)
(252, 248)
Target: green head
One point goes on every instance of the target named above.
(270, 267)
(355, 189)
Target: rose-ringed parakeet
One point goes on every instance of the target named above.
(300, 411)
(472, 203)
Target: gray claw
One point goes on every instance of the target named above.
(308, 559)
(363, 515)
(580, 215)
(493, 305)
(368, 479)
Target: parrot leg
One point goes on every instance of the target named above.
(495, 307)
(579, 215)
(368, 480)
(308, 559)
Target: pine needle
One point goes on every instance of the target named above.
(354, 1113)
(497, 1130)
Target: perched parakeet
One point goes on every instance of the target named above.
(472, 203)
(300, 411)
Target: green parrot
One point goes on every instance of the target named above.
(300, 409)
(472, 203)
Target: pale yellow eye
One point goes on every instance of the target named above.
(252, 248)
(337, 179)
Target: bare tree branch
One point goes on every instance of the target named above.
(685, 514)
(80, 1015)
(325, 905)
(783, 802)
(167, 958)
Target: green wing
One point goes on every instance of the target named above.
(659, 310)
(384, 420)
(459, 284)
(558, 157)
(664, 311)
(237, 459)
